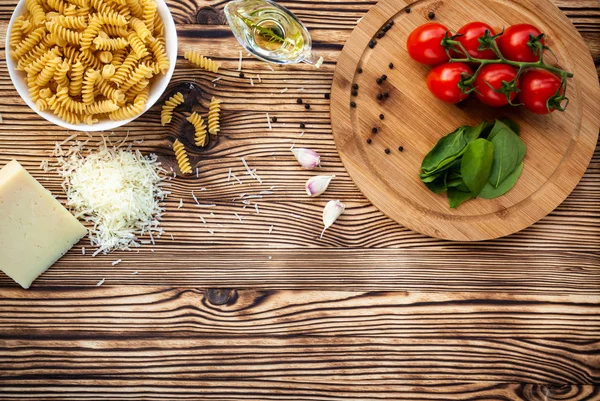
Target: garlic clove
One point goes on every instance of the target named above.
(315, 186)
(333, 209)
(307, 158)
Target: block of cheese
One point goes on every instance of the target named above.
(35, 229)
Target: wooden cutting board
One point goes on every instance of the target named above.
(559, 147)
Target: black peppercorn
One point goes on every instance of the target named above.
(369, 140)
(379, 96)
(299, 101)
(388, 27)
(274, 119)
(326, 96)
(359, 70)
(384, 77)
(302, 125)
(307, 106)
(407, 10)
(386, 94)
(380, 34)
(374, 130)
(387, 151)
(241, 75)
(381, 116)
(431, 15)
(372, 43)
(391, 65)
(379, 80)
(352, 104)
(391, 22)
(354, 92)
(355, 86)
(401, 148)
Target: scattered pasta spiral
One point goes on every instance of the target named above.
(199, 128)
(182, 157)
(201, 61)
(213, 116)
(166, 114)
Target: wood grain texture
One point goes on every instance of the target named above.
(508, 319)
(173, 343)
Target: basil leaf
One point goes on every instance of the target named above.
(445, 151)
(438, 186)
(472, 133)
(490, 192)
(506, 155)
(456, 197)
(476, 164)
(511, 124)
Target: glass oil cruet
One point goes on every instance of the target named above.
(271, 32)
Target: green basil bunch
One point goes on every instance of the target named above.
(484, 161)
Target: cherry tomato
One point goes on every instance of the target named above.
(470, 39)
(494, 75)
(424, 44)
(537, 86)
(513, 43)
(443, 81)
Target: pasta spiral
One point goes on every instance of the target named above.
(87, 37)
(129, 111)
(125, 69)
(60, 75)
(140, 28)
(110, 44)
(103, 106)
(89, 81)
(140, 72)
(213, 116)
(182, 157)
(160, 55)
(148, 14)
(137, 45)
(77, 73)
(67, 102)
(36, 10)
(72, 22)
(47, 72)
(63, 33)
(166, 114)
(201, 61)
(54, 105)
(200, 136)
(29, 42)
(112, 18)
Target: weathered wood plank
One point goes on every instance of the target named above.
(112, 313)
(503, 270)
(172, 342)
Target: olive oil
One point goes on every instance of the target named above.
(270, 32)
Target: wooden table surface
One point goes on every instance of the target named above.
(371, 311)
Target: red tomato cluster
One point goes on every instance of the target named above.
(534, 87)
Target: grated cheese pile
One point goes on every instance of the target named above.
(117, 191)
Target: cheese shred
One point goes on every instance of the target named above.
(117, 192)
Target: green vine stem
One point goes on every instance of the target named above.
(489, 42)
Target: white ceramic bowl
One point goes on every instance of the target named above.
(158, 86)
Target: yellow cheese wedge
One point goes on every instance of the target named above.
(35, 229)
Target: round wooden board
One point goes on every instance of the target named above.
(559, 147)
